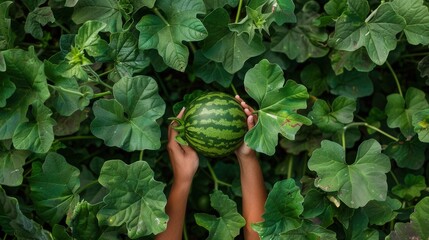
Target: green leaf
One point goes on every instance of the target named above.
(13, 221)
(304, 40)
(84, 222)
(124, 52)
(87, 38)
(333, 118)
(358, 60)
(412, 187)
(106, 11)
(129, 120)
(54, 187)
(408, 154)
(227, 47)
(6, 35)
(228, 224)
(313, 78)
(7, 88)
(352, 84)
(421, 124)
(36, 19)
(357, 183)
(309, 231)
(254, 21)
(214, 4)
(166, 34)
(282, 210)
(282, 12)
(399, 111)
(416, 15)
(377, 32)
(358, 227)
(135, 198)
(36, 136)
(278, 106)
(11, 167)
(381, 212)
(211, 71)
(30, 87)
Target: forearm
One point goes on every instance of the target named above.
(176, 210)
(254, 194)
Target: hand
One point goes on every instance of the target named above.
(245, 151)
(184, 160)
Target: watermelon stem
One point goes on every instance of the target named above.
(216, 180)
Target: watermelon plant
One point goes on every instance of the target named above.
(339, 88)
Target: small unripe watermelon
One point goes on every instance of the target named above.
(214, 124)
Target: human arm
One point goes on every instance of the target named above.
(254, 193)
(184, 162)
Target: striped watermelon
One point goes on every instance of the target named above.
(214, 124)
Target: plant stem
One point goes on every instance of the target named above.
(102, 94)
(394, 177)
(156, 11)
(371, 15)
(290, 166)
(415, 54)
(141, 155)
(237, 16)
(215, 179)
(356, 124)
(395, 77)
(66, 90)
(233, 89)
(185, 232)
(97, 77)
(90, 184)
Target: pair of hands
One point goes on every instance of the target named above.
(184, 159)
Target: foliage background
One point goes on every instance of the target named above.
(340, 88)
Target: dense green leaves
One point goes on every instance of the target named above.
(228, 224)
(108, 12)
(356, 183)
(135, 198)
(11, 167)
(278, 105)
(129, 120)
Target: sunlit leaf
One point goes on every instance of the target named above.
(416, 15)
(355, 183)
(376, 32)
(135, 198)
(421, 124)
(87, 38)
(333, 118)
(282, 210)
(129, 120)
(400, 110)
(278, 105)
(11, 167)
(166, 34)
(14, 222)
(54, 186)
(106, 11)
(309, 231)
(228, 224)
(227, 47)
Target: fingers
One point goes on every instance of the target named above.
(250, 122)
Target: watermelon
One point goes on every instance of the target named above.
(214, 124)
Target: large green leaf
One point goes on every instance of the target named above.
(357, 183)
(167, 33)
(278, 105)
(420, 121)
(36, 136)
(11, 170)
(228, 224)
(30, 87)
(129, 120)
(135, 198)
(106, 11)
(400, 110)
(13, 221)
(282, 210)
(333, 118)
(54, 186)
(227, 47)
(304, 40)
(376, 32)
(211, 71)
(416, 16)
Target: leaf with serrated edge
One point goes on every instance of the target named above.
(228, 224)
(135, 198)
(278, 106)
(357, 183)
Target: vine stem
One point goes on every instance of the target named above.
(240, 5)
(156, 11)
(233, 89)
(102, 94)
(215, 179)
(141, 155)
(395, 77)
(90, 184)
(66, 90)
(356, 124)
(290, 166)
